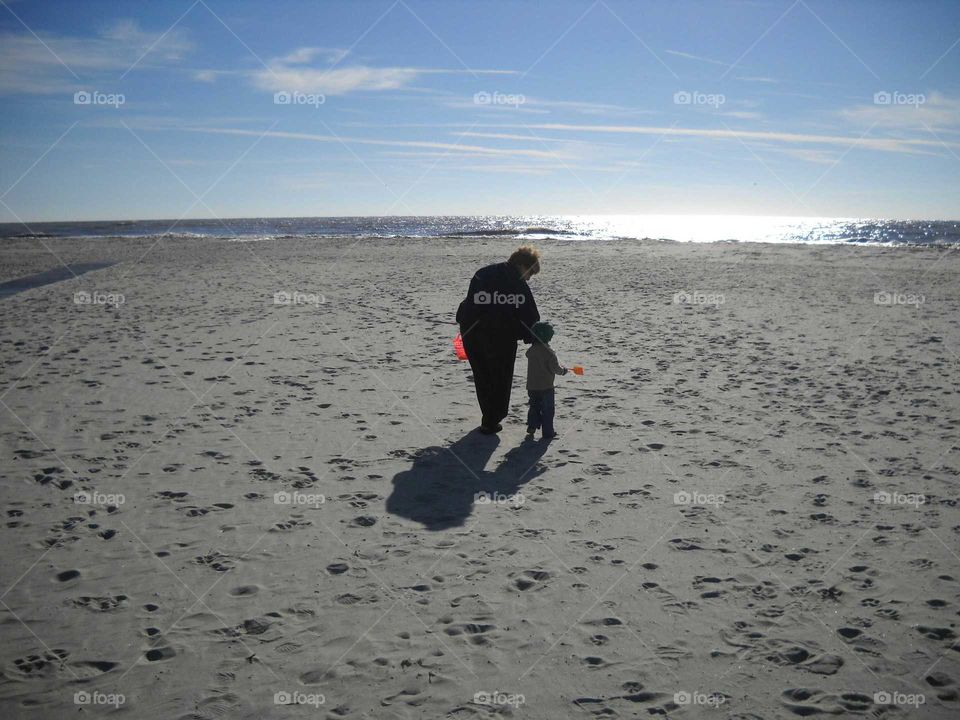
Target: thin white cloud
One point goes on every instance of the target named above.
(513, 169)
(48, 63)
(431, 154)
(721, 63)
(507, 136)
(292, 73)
(711, 61)
(129, 38)
(468, 103)
(588, 108)
(743, 115)
(338, 81)
(698, 58)
(812, 155)
(757, 79)
(429, 145)
(897, 145)
(937, 112)
(528, 137)
(542, 106)
(207, 76)
(306, 54)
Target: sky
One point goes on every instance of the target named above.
(229, 108)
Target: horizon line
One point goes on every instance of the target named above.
(851, 218)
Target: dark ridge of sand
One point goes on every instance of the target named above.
(47, 277)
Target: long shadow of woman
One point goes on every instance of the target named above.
(441, 486)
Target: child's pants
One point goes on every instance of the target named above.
(540, 414)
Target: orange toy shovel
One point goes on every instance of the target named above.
(577, 369)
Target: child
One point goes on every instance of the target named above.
(542, 367)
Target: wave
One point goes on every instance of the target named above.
(512, 232)
(116, 236)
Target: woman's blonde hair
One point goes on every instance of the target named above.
(526, 257)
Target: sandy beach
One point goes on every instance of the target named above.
(225, 502)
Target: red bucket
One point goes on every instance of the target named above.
(458, 348)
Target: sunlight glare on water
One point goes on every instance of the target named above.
(706, 228)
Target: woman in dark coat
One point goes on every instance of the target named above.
(498, 311)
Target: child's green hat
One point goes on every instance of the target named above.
(543, 331)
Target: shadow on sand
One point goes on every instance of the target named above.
(441, 486)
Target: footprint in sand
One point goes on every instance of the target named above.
(101, 604)
(216, 560)
(531, 579)
(810, 701)
(40, 665)
(476, 632)
(936, 633)
(51, 475)
(288, 525)
(244, 591)
(160, 654)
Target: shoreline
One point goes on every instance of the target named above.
(51, 253)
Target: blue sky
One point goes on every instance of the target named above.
(756, 107)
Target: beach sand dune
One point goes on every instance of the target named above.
(224, 502)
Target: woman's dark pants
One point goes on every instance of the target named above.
(491, 359)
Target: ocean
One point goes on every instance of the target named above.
(678, 228)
